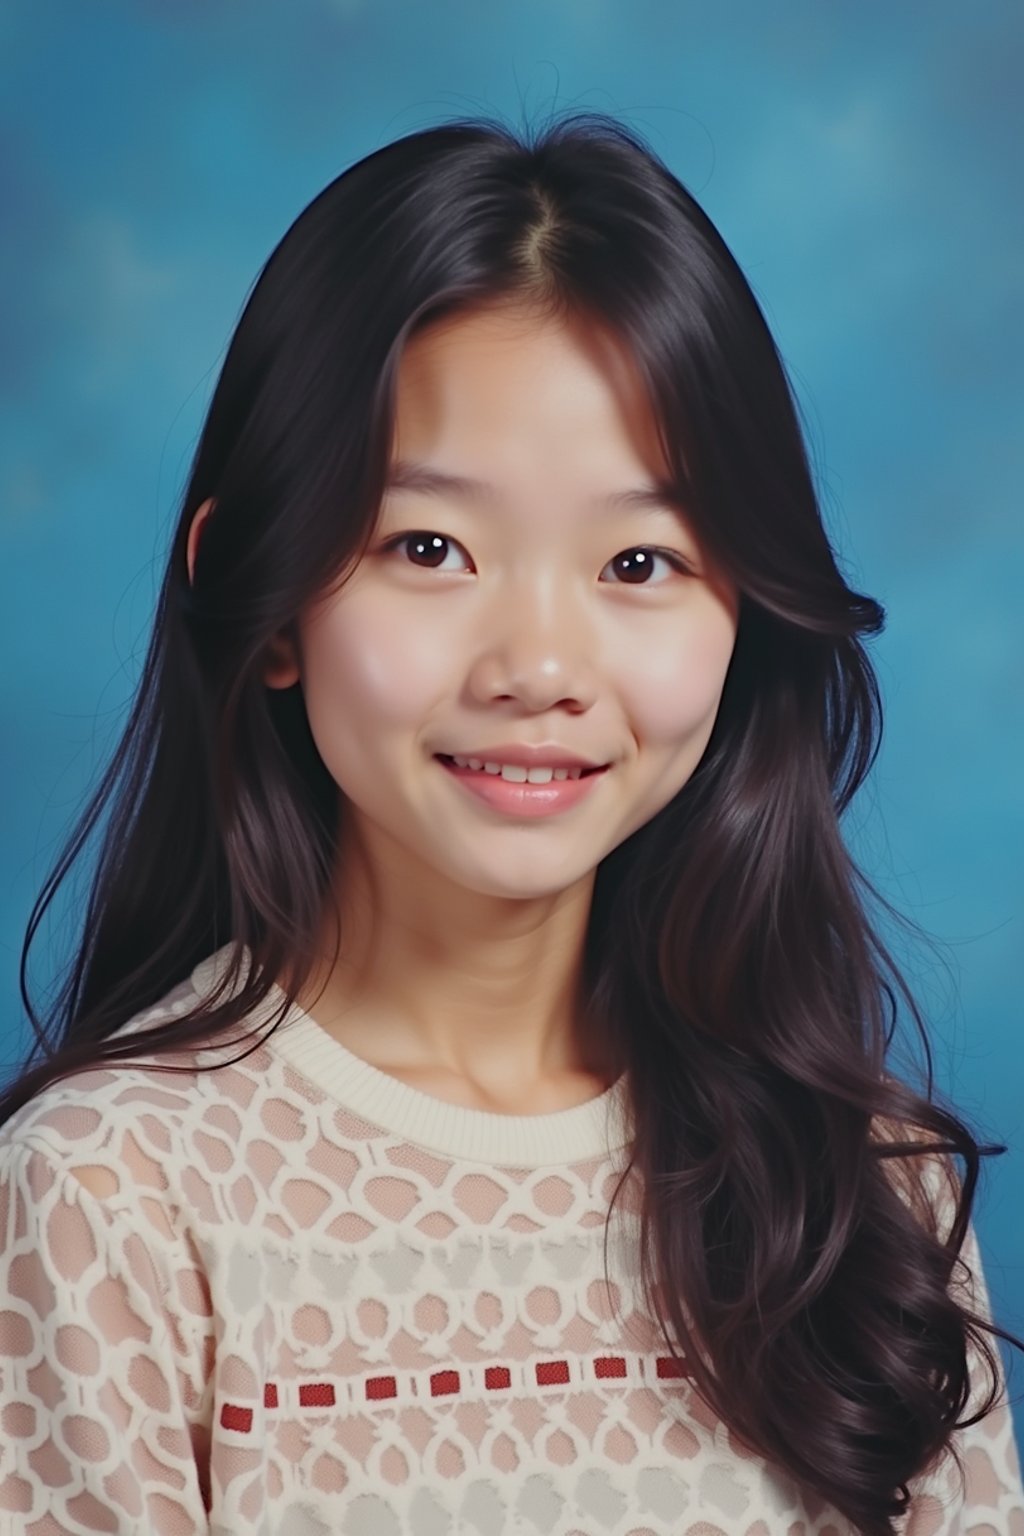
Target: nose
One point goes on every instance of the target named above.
(534, 645)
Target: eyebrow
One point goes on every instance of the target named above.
(406, 475)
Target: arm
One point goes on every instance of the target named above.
(96, 1402)
(989, 1500)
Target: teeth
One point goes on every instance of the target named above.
(515, 774)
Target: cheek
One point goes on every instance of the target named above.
(671, 685)
(362, 665)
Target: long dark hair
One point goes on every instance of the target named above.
(729, 947)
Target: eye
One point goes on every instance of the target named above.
(635, 562)
(639, 562)
(430, 545)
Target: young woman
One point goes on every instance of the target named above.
(468, 1110)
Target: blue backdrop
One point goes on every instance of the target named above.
(861, 160)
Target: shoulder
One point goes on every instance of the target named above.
(927, 1181)
(133, 1127)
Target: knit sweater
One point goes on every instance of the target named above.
(295, 1296)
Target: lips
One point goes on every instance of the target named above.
(444, 757)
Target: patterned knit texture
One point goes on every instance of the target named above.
(294, 1296)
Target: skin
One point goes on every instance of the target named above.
(463, 928)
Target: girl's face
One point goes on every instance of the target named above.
(518, 610)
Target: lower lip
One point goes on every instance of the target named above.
(523, 799)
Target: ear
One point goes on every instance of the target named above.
(282, 668)
(194, 533)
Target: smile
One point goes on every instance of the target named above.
(515, 773)
(519, 791)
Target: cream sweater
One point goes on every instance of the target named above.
(296, 1297)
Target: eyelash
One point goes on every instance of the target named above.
(677, 561)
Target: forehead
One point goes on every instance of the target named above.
(507, 379)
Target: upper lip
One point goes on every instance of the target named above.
(550, 756)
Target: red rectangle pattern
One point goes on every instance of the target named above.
(550, 1371)
(316, 1394)
(381, 1386)
(609, 1365)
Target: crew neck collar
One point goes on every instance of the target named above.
(595, 1128)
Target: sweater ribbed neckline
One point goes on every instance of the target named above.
(595, 1128)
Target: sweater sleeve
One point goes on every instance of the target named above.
(97, 1431)
(988, 1499)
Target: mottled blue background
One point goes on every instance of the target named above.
(861, 159)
